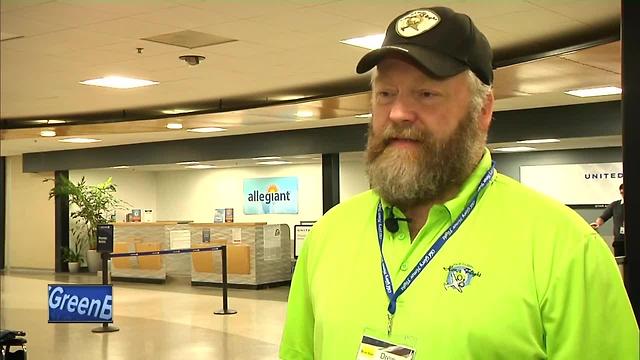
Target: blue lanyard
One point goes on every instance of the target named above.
(426, 259)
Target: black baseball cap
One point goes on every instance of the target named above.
(443, 41)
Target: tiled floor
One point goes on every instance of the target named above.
(170, 321)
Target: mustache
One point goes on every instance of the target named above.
(395, 131)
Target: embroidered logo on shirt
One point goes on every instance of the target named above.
(459, 276)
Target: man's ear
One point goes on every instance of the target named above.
(486, 114)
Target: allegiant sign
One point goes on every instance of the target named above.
(271, 195)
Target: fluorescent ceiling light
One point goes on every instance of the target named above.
(538, 141)
(177, 111)
(274, 162)
(514, 149)
(202, 166)
(601, 91)
(174, 126)
(188, 163)
(118, 82)
(48, 133)
(304, 113)
(50, 122)
(363, 115)
(206, 129)
(120, 167)
(79, 140)
(368, 42)
(266, 158)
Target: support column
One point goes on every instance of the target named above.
(330, 181)
(631, 147)
(62, 225)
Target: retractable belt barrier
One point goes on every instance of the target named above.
(222, 248)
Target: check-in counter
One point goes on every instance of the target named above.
(258, 255)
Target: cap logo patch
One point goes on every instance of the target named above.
(416, 22)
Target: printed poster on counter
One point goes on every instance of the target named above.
(276, 195)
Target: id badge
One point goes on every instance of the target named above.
(621, 230)
(375, 346)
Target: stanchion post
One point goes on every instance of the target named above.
(105, 281)
(225, 301)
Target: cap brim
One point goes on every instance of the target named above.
(434, 62)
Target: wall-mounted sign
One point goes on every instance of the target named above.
(576, 184)
(271, 195)
(299, 234)
(80, 303)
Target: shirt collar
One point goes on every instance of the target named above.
(468, 188)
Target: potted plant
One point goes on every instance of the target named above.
(73, 256)
(90, 205)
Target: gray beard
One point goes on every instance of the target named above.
(408, 178)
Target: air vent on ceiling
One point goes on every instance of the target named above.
(189, 39)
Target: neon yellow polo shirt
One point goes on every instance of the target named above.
(544, 284)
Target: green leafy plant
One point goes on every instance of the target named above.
(73, 254)
(90, 205)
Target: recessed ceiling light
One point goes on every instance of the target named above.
(368, 42)
(363, 115)
(178, 111)
(120, 167)
(79, 140)
(202, 166)
(538, 141)
(304, 113)
(600, 91)
(48, 133)
(266, 158)
(514, 149)
(174, 126)
(274, 162)
(119, 82)
(188, 163)
(206, 129)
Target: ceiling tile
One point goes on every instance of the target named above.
(130, 28)
(20, 25)
(63, 14)
(11, 5)
(183, 17)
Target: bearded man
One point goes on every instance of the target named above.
(444, 258)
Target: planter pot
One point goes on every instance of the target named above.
(74, 267)
(93, 261)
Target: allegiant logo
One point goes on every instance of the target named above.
(272, 194)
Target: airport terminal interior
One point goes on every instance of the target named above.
(247, 103)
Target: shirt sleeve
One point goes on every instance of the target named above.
(608, 212)
(586, 313)
(298, 336)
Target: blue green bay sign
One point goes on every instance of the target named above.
(275, 195)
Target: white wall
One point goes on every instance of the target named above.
(353, 178)
(138, 188)
(30, 222)
(193, 195)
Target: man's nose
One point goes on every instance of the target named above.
(403, 110)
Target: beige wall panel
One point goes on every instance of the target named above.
(30, 236)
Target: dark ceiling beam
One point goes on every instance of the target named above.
(596, 119)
